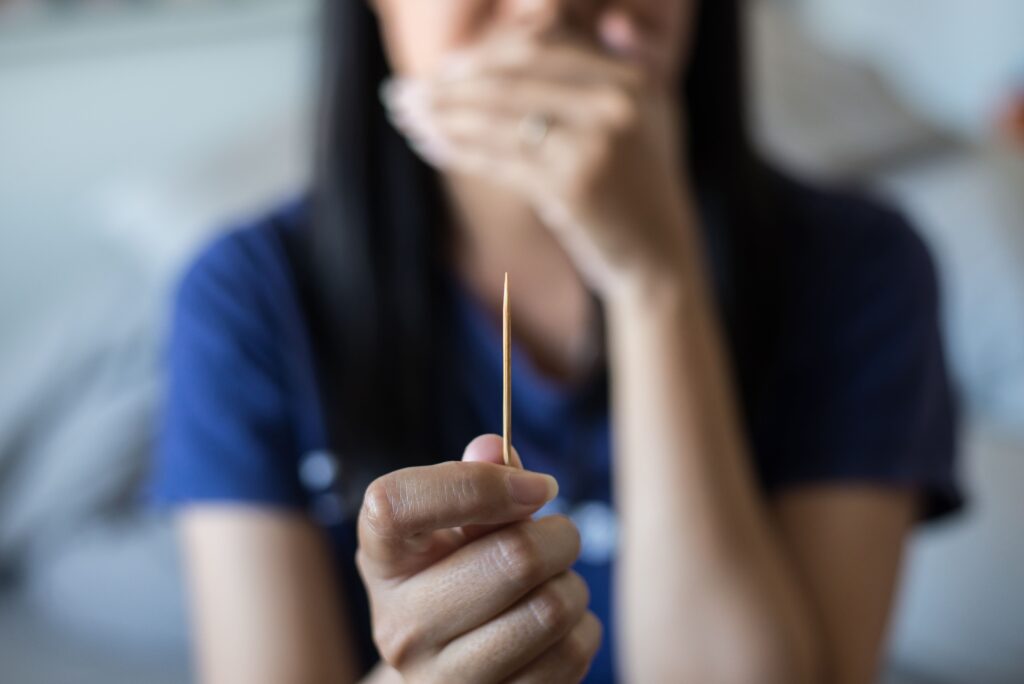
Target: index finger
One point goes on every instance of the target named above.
(558, 59)
(402, 506)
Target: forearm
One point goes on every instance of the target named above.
(703, 586)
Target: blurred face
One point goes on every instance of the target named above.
(421, 34)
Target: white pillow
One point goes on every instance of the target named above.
(971, 210)
(953, 61)
(961, 610)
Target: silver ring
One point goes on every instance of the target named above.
(534, 129)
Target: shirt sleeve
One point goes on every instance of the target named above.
(861, 393)
(225, 433)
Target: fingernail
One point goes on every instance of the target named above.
(432, 154)
(399, 118)
(408, 94)
(428, 144)
(532, 489)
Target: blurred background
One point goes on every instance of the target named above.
(132, 130)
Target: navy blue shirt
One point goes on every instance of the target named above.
(858, 392)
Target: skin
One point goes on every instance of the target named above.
(716, 583)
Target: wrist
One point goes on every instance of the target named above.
(666, 283)
(663, 289)
(669, 264)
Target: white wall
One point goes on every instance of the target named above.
(955, 61)
(120, 135)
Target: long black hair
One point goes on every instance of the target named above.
(371, 259)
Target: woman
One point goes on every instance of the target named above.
(751, 369)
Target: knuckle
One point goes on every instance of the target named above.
(509, 55)
(361, 562)
(464, 488)
(380, 510)
(568, 534)
(397, 641)
(598, 632)
(519, 557)
(553, 608)
(581, 587)
(622, 108)
(579, 647)
(572, 532)
(526, 53)
(575, 651)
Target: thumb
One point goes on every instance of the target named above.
(488, 449)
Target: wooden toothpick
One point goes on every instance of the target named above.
(506, 364)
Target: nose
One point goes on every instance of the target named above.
(542, 17)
